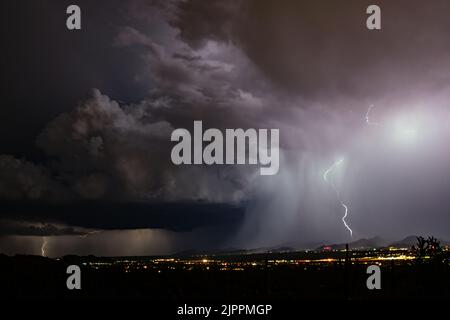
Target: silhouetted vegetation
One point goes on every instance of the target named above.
(427, 250)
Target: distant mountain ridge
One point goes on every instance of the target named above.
(377, 242)
(360, 244)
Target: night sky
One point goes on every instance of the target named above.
(87, 115)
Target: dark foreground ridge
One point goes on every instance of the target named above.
(273, 276)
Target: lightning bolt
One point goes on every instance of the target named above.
(370, 123)
(45, 241)
(325, 178)
(44, 246)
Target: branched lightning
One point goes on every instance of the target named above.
(325, 178)
(405, 131)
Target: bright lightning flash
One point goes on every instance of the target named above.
(406, 130)
(44, 246)
(368, 121)
(326, 179)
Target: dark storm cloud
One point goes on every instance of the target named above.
(101, 146)
(21, 179)
(182, 216)
(322, 49)
(20, 228)
(47, 70)
(106, 149)
(308, 68)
